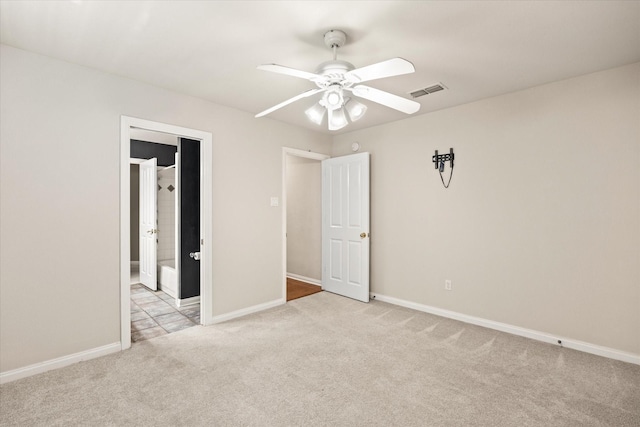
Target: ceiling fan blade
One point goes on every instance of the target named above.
(275, 68)
(289, 101)
(385, 98)
(389, 68)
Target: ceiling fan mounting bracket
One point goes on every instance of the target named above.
(334, 70)
(335, 38)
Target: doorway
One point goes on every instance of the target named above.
(302, 214)
(130, 126)
(165, 217)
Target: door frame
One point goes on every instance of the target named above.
(286, 151)
(206, 218)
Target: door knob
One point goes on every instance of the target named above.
(363, 235)
(195, 255)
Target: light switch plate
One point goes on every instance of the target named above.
(275, 202)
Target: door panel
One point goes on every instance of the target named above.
(336, 259)
(336, 195)
(355, 263)
(345, 226)
(148, 223)
(355, 195)
(189, 213)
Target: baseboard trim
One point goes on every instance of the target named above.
(308, 280)
(60, 362)
(516, 330)
(245, 311)
(187, 301)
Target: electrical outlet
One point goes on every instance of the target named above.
(447, 285)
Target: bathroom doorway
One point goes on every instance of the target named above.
(197, 147)
(165, 218)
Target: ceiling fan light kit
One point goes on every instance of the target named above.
(334, 78)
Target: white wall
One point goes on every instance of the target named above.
(540, 227)
(59, 202)
(304, 217)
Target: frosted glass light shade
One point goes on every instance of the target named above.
(333, 99)
(337, 119)
(355, 109)
(316, 113)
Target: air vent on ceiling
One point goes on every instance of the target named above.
(427, 90)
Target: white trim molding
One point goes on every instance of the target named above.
(245, 311)
(187, 301)
(59, 362)
(515, 330)
(305, 279)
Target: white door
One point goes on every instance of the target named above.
(345, 226)
(148, 223)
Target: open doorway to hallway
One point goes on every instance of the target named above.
(302, 219)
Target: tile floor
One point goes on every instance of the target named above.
(154, 313)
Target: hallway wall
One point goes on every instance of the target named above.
(304, 217)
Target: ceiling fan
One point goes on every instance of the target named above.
(337, 78)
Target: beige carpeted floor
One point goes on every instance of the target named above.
(325, 360)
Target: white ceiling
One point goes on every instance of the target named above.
(210, 49)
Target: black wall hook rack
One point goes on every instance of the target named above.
(440, 160)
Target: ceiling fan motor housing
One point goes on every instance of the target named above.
(334, 69)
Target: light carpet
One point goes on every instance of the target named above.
(325, 360)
